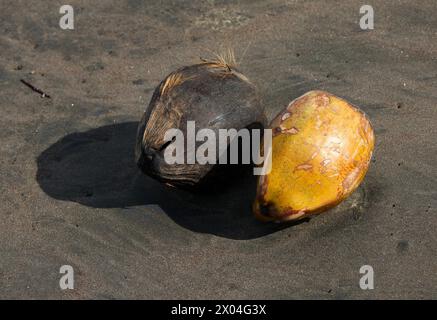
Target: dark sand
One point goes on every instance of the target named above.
(70, 192)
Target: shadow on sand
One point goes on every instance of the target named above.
(96, 168)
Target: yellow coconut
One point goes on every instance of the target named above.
(321, 149)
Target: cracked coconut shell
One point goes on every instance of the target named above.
(321, 149)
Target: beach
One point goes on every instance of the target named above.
(71, 193)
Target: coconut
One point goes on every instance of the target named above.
(212, 95)
(320, 153)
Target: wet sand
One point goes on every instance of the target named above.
(71, 194)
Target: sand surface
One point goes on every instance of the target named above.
(70, 193)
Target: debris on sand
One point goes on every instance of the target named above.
(42, 93)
